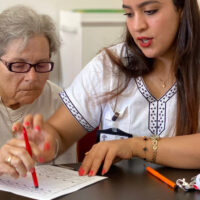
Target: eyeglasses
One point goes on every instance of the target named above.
(23, 67)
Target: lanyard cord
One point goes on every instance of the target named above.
(116, 114)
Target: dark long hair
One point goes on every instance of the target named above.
(186, 62)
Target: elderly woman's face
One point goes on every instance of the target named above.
(17, 89)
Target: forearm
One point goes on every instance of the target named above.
(179, 152)
(56, 140)
(59, 143)
(64, 128)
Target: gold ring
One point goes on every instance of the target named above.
(9, 159)
(86, 153)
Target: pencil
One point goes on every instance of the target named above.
(28, 148)
(161, 177)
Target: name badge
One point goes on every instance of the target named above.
(112, 134)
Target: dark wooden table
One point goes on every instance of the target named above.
(128, 180)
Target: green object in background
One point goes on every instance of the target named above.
(99, 10)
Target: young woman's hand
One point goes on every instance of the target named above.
(105, 153)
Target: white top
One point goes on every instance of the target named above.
(46, 104)
(141, 114)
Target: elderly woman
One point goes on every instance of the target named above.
(27, 41)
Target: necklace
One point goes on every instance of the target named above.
(164, 83)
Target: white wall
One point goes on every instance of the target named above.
(52, 8)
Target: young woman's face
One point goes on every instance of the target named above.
(153, 25)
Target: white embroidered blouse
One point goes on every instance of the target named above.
(141, 114)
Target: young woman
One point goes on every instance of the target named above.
(147, 86)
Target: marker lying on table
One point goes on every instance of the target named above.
(162, 178)
(28, 148)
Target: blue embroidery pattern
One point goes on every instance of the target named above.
(68, 103)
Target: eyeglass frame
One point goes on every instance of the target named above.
(9, 66)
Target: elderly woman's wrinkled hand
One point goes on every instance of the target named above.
(38, 135)
(15, 159)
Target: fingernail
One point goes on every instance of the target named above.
(32, 170)
(90, 173)
(37, 129)
(41, 160)
(26, 124)
(14, 128)
(46, 146)
(195, 187)
(103, 172)
(81, 171)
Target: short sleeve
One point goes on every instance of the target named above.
(82, 98)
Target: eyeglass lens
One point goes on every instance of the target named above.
(25, 67)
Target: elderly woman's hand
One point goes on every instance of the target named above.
(15, 159)
(105, 153)
(14, 154)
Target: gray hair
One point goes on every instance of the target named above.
(22, 22)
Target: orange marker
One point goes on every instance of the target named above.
(162, 178)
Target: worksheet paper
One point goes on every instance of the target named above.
(53, 182)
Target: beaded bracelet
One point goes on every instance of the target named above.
(145, 146)
(154, 140)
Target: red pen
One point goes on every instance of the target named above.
(28, 148)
